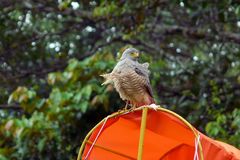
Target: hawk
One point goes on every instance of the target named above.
(131, 79)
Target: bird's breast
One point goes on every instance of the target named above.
(129, 84)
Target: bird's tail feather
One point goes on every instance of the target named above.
(107, 78)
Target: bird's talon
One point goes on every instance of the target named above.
(133, 107)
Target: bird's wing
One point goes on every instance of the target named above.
(145, 65)
(144, 75)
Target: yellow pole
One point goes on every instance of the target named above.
(142, 133)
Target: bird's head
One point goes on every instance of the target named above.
(130, 53)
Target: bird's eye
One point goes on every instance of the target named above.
(134, 54)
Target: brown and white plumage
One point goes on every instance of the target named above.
(131, 79)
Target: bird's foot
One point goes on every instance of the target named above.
(128, 104)
(124, 109)
(132, 108)
(121, 110)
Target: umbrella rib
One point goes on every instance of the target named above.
(110, 150)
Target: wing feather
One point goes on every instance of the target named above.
(147, 84)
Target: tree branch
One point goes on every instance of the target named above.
(10, 107)
(198, 34)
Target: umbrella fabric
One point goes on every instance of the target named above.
(167, 137)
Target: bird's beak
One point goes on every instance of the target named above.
(135, 54)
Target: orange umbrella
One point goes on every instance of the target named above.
(151, 135)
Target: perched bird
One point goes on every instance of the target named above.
(131, 79)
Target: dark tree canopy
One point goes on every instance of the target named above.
(52, 53)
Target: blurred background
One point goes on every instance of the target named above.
(53, 51)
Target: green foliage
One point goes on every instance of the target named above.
(51, 120)
(26, 137)
(52, 53)
(106, 10)
(224, 125)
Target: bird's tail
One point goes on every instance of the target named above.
(107, 78)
